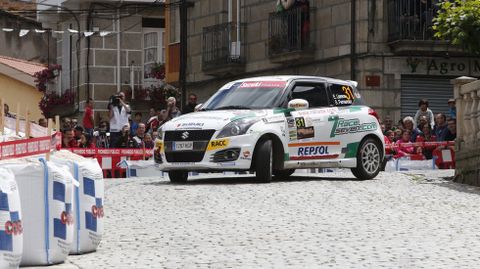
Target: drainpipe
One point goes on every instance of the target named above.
(353, 31)
(119, 80)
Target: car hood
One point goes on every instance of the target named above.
(212, 119)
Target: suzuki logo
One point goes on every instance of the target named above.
(185, 135)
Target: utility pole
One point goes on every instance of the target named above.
(183, 52)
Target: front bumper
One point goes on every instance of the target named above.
(244, 144)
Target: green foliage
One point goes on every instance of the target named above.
(459, 22)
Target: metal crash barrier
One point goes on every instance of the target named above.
(442, 156)
(110, 159)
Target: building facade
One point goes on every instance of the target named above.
(385, 45)
(106, 47)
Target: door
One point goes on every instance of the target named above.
(309, 137)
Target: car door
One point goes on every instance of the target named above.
(309, 137)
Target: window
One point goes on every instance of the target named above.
(174, 30)
(153, 49)
(316, 95)
(342, 95)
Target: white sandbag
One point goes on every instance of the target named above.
(88, 201)
(405, 164)
(11, 231)
(46, 194)
(140, 168)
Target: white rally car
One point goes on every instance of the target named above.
(274, 125)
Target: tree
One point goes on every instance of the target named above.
(459, 22)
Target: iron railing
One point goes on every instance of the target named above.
(411, 20)
(289, 31)
(223, 44)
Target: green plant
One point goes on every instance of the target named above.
(459, 22)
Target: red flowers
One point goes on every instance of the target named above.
(45, 76)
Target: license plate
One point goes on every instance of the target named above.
(184, 145)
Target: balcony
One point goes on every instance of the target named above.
(290, 35)
(223, 52)
(410, 29)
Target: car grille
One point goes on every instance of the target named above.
(200, 140)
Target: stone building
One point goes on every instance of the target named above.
(385, 45)
(106, 46)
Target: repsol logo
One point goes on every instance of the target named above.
(13, 227)
(97, 212)
(66, 218)
(313, 151)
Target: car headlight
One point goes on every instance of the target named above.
(237, 127)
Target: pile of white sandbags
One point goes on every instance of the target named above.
(88, 202)
(46, 194)
(11, 231)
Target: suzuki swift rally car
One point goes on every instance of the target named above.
(274, 125)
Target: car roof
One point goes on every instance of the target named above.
(289, 78)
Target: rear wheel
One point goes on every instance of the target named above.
(369, 160)
(264, 161)
(178, 176)
(283, 173)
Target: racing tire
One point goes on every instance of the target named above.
(369, 160)
(264, 161)
(178, 176)
(283, 173)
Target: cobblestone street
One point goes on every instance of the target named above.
(399, 220)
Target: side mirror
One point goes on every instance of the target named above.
(298, 104)
(197, 107)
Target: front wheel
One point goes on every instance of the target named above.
(263, 161)
(178, 176)
(369, 160)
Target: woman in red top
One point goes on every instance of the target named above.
(427, 136)
(405, 150)
(87, 121)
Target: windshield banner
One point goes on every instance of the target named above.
(263, 84)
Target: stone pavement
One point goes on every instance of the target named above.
(399, 220)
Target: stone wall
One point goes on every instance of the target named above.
(467, 96)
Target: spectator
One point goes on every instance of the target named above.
(74, 123)
(118, 116)
(388, 124)
(140, 134)
(452, 110)
(135, 122)
(6, 110)
(125, 141)
(397, 135)
(66, 123)
(172, 110)
(427, 136)
(409, 124)
(192, 103)
(404, 148)
(148, 141)
(77, 132)
(424, 111)
(102, 137)
(451, 133)
(68, 139)
(154, 122)
(88, 121)
(422, 121)
(86, 141)
(43, 122)
(440, 127)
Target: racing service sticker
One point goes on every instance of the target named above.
(349, 126)
(218, 144)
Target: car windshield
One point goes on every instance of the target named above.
(246, 95)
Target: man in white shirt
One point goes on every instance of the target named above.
(119, 111)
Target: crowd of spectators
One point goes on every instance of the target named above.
(124, 128)
(425, 126)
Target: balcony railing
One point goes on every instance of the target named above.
(222, 45)
(289, 31)
(410, 20)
